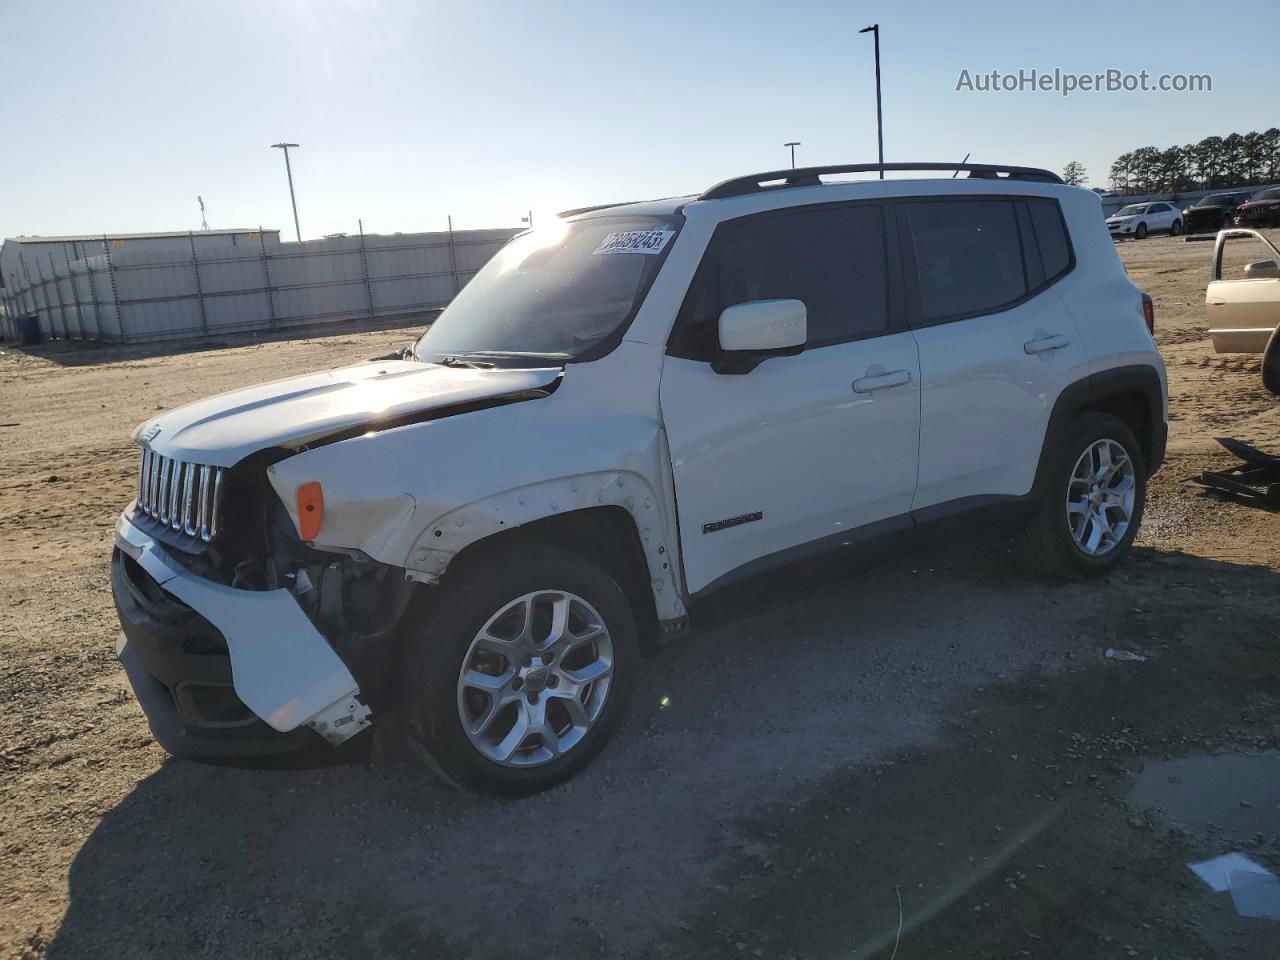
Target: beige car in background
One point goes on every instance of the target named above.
(1243, 299)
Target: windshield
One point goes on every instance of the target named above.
(558, 292)
(1273, 194)
(1130, 211)
(1217, 200)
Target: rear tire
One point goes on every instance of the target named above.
(1087, 521)
(1271, 363)
(1176, 228)
(498, 616)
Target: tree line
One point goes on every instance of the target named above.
(1231, 161)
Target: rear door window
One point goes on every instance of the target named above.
(968, 257)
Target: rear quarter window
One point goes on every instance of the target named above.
(1050, 236)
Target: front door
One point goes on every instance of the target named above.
(804, 451)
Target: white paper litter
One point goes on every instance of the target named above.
(1255, 890)
(1217, 872)
(1255, 895)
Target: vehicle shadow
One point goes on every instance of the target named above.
(768, 701)
(89, 353)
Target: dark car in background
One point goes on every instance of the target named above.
(1261, 210)
(1214, 212)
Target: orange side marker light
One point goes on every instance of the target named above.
(310, 510)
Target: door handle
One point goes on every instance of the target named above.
(882, 381)
(1045, 344)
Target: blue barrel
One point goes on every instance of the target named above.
(28, 330)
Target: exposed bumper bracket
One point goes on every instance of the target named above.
(341, 721)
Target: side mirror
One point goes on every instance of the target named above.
(1262, 270)
(752, 332)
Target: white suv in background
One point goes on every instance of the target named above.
(626, 410)
(1138, 219)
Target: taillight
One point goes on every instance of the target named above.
(1149, 314)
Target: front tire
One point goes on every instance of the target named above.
(523, 671)
(1092, 502)
(1141, 232)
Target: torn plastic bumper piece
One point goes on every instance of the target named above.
(282, 668)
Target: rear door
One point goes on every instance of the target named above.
(997, 344)
(808, 451)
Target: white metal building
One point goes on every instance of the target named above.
(23, 260)
(139, 289)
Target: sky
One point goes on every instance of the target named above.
(118, 114)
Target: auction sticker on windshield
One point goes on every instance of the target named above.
(635, 241)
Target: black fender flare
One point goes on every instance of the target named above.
(1137, 380)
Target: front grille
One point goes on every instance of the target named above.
(186, 497)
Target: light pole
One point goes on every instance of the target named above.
(289, 171)
(792, 144)
(875, 29)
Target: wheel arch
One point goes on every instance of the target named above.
(613, 518)
(605, 535)
(1134, 393)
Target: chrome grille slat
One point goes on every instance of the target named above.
(188, 501)
(153, 501)
(144, 479)
(203, 518)
(215, 510)
(166, 467)
(175, 495)
(184, 496)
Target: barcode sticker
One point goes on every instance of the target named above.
(635, 241)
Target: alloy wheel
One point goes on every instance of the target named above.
(1100, 497)
(535, 678)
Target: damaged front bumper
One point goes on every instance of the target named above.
(224, 673)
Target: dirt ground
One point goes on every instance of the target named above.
(935, 757)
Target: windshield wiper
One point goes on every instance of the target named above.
(521, 353)
(453, 361)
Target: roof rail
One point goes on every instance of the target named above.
(809, 176)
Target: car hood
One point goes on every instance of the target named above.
(322, 407)
(1120, 219)
(1258, 204)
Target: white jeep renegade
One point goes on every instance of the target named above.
(624, 411)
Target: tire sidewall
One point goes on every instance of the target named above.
(1083, 433)
(1271, 363)
(465, 602)
(1140, 232)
